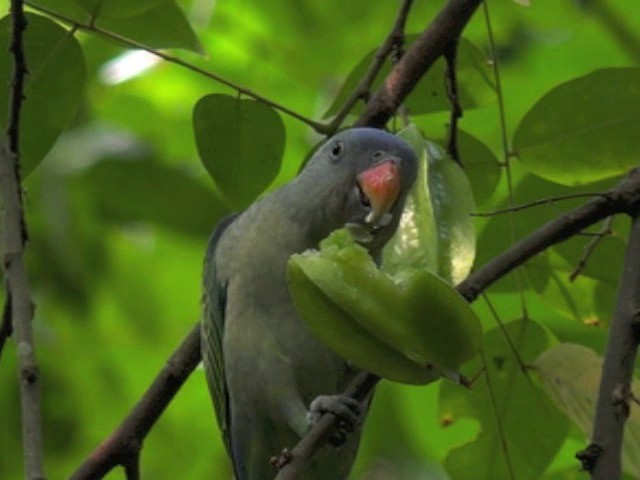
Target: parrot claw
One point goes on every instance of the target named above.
(279, 461)
(347, 409)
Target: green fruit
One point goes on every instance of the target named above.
(411, 328)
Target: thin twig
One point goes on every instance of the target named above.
(123, 446)
(535, 203)
(18, 291)
(603, 456)
(506, 336)
(428, 47)
(590, 248)
(494, 406)
(451, 82)
(91, 27)
(506, 151)
(363, 90)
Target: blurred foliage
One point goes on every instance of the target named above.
(120, 208)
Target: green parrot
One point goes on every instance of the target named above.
(269, 377)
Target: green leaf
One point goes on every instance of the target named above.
(240, 143)
(583, 130)
(118, 8)
(54, 87)
(570, 375)
(153, 23)
(531, 444)
(475, 87)
(146, 190)
(452, 205)
(410, 328)
(480, 165)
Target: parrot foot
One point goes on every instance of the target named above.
(347, 409)
(279, 461)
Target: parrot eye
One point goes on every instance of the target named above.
(337, 150)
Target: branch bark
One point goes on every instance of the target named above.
(624, 198)
(123, 446)
(19, 307)
(603, 457)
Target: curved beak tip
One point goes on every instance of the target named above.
(381, 184)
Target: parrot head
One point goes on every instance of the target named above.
(359, 179)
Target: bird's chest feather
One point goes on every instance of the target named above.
(264, 319)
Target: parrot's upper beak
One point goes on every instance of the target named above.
(379, 188)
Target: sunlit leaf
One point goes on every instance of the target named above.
(475, 87)
(240, 143)
(581, 131)
(153, 23)
(570, 375)
(53, 90)
(508, 397)
(410, 328)
(146, 190)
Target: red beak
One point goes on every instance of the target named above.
(381, 185)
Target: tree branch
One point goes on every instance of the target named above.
(624, 198)
(359, 388)
(363, 88)
(123, 446)
(427, 48)
(451, 55)
(603, 457)
(19, 308)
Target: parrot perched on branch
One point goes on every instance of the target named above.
(269, 377)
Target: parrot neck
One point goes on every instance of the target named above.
(316, 210)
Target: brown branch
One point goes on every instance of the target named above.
(427, 48)
(603, 457)
(19, 308)
(450, 55)
(362, 90)
(359, 388)
(623, 198)
(123, 446)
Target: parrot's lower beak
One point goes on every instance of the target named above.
(379, 189)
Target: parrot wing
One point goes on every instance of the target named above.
(214, 301)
